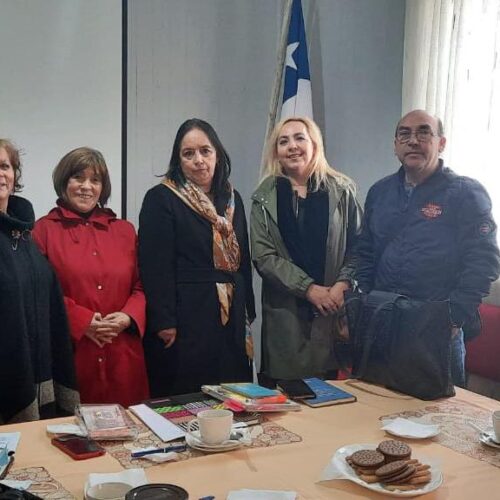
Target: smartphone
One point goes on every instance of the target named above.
(296, 389)
(78, 448)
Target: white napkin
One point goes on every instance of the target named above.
(243, 433)
(408, 428)
(261, 495)
(134, 477)
(332, 471)
(20, 485)
(157, 457)
(66, 429)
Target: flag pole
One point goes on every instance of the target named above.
(278, 78)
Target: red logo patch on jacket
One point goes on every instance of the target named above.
(431, 210)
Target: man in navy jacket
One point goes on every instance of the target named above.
(428, 233)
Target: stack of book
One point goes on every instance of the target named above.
(246, 396)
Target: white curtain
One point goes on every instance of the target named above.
(429, 55)
(452, 69)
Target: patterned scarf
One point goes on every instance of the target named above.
(226, 250)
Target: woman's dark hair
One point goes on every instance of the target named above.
(15, 160)
(220, 182)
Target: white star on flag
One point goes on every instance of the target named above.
(289, 55)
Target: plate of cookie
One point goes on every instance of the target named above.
(388, 468)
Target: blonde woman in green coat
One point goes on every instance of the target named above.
(304, 223)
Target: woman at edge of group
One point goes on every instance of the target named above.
(37, 378)
(304, 223)
(195, 265)
(95, 257)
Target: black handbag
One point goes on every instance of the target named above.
(8, 493)
(401, 343)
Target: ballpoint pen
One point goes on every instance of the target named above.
(6, 470)
(139, 454)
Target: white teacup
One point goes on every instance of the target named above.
(107, 491)
(215, 425)
(495, 420)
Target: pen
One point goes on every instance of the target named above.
(3, 475)
(139, 454)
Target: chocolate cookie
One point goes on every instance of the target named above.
(367, 459)
(391, 469)
(394, 450)
(402, 477)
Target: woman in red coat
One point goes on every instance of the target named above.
(94, 256)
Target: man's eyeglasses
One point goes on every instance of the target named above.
(422, 135)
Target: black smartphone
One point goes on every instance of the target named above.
(77, 447)
(296, 389)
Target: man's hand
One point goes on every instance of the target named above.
(168, 336)
(337, 293)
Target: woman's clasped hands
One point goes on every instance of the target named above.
(103, 330)
(327, 300)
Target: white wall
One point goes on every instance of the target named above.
(211, 59)
(356, 58)
(216, 59)
(61, 86)
(61, 83)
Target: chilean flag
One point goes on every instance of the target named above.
(297, 99)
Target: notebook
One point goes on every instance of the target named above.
(326, 394)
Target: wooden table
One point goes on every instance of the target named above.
(289, 467)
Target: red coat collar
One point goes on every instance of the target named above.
(99, 217)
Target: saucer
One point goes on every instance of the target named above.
(488, 438)
(194, 441)
(160, 490)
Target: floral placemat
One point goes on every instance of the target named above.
(266, 434)
(42, 483)
(455, 417)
